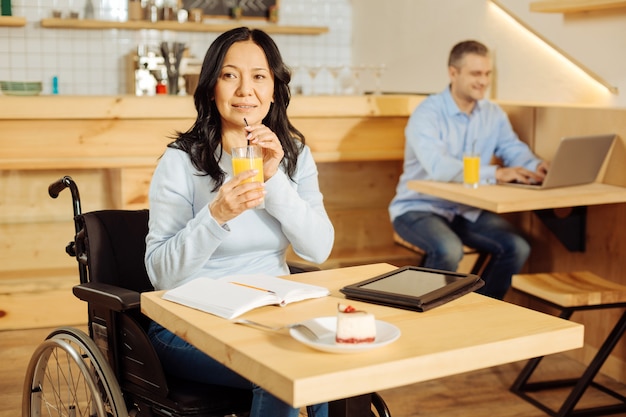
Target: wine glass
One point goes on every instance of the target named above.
(378, 71)
(296, 81)
(335, 71)
(313, 70)
(357, 71)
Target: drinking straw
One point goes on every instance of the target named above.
(246, 122)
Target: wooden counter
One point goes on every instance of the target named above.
(507, 199)
(129, 131)
(110, 146)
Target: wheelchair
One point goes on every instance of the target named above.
(114, 371)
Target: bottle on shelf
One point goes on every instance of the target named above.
(6, 8)
(89, 12)
(135, 10)
(152, 12)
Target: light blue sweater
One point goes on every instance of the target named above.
(185, 242)
(437, 134)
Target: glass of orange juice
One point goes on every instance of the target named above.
(246, 158)
(471, 170)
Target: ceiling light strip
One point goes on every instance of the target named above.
(571, 59)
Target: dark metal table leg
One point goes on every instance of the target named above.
(359, 406)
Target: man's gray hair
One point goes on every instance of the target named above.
(461, 49)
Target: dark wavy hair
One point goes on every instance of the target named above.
(204, 138)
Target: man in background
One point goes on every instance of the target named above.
(442, 128)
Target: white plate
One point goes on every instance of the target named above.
(327, 326)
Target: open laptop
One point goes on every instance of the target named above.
(577, 161)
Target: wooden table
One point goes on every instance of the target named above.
(569, 229)
(505, 199)
(467, 334)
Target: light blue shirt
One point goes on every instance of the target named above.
(185, 241)
(437, 136)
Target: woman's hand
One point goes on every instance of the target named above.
(273, 153)
(236, 196)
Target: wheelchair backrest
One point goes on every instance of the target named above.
(112, 244)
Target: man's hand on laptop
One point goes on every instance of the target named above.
(521, 175)
(543, 167)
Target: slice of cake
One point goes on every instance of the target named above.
(354, 326)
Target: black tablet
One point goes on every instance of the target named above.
(413, 288)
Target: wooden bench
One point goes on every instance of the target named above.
(569, 292)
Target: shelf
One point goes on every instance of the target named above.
(575, 6)
(52, 23)
(12, 21)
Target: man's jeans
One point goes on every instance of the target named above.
(443, 243)
(183, 360)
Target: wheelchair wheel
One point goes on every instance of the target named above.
(379, 407)
(68, 376)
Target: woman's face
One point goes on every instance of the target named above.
(245, 86)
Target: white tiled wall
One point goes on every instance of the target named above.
(93, 62)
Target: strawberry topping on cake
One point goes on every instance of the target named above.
(354, 326)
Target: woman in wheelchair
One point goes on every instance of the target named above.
(205, 221)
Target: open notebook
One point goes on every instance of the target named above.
(233, 295)
(577, 161)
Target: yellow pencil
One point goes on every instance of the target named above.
(253, 287)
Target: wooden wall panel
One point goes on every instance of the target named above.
(605, 224)
(359, 184)
(355, 138)
(41, 301)
(522, 119)
(134, 185)
(357, 229)
(85, 139)
(356, 197)
(24, 195)
(28, 246)
(35, 228)
(556, 122)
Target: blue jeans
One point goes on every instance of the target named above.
(443, 243)
(183, 360)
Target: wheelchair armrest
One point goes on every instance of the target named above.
(110, 296)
